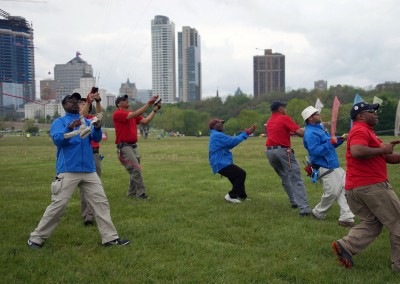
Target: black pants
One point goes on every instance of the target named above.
(237, 177)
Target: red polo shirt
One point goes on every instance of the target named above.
(125, 129)
(364, 171)
(278, 129)
(94, 144)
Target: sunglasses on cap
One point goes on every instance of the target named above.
(370, 111)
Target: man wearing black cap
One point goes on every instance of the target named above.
(369, 194)
(75, 168)
(221, 161)
(125, 122)
(281, 156)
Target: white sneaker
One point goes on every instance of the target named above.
(232, 200)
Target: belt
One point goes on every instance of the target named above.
(276, 147)
(123, 144)
(96, 150)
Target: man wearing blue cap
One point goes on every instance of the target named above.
(368, 192)
(75, 168)
(281, 156)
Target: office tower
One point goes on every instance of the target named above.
(163, 58)
(17, 63)
(321, 85)
(68, 75)
(189, 65)
(268, 73)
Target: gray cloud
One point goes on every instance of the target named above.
(344, 42)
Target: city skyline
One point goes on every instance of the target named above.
(343, 42)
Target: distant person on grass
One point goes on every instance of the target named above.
(75, 168)
(86, 210)
(125, 122)
(221, 161)
(369, 194)
(281, 156)
(321, 149)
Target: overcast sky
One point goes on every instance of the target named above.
(353, 42)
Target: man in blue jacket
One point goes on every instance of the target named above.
(321, 150)
(221, 160)
(75, 167)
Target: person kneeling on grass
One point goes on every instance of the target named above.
(221, 161)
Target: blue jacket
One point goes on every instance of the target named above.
(219, 153)
(74, 154)
(320, 149)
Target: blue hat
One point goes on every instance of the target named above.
(359, 107)
(275, 105)
(74, 95)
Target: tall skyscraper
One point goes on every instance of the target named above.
(17, 62)
(189, 65)
(163, 58)
(68, 75)
(268, 73)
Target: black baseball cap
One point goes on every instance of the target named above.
(359, 107)
(275, 105)
(74, 95)
(120, 98)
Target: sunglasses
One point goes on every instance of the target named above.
(371, 111)
(73, 101)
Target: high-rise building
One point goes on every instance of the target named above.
(163, 58)
(189, 65)
(268, 73)
(17, 62)
(68, 75)
(321, 85)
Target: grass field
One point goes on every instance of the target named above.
(185, 232)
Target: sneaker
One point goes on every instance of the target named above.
(346, 224)
(232, 200)
(34, 245)
(88, 223)
(116, 242)
(315, 216)
(143, 196)
(344, 257)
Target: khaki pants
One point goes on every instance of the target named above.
(377, 205)
(333, 185)
(87, 211)
(62, 191)
(129, 158)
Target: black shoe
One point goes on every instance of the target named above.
(143, 196)
(295, 206)
(33, 245)
(88, 223)
(345, 259)
(116, 242)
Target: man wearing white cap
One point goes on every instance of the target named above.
(321, 150)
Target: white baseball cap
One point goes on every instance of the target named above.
(308, 111)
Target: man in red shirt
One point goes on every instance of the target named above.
(125, 122)
(369, 194)
(281, 156)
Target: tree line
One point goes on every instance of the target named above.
(241, 111)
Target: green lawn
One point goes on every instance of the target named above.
(186, 232)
